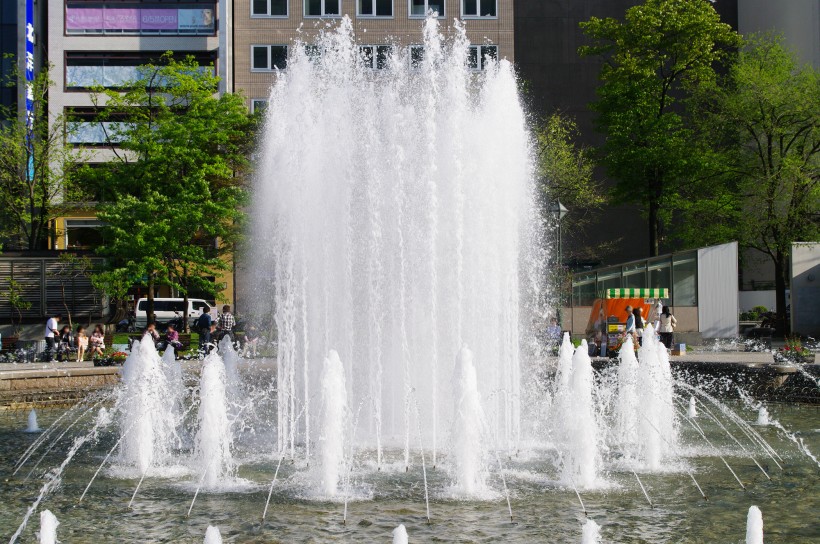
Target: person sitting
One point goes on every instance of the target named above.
(97, 341)
(66, 344)
(171, 339)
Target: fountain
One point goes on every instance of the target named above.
(591, 533)
(334, 415)
(395, 223)
(212, 535)
(48, 527)
(400, 535)
(214, 440)
(762, 416)
(468, 445)
(577, 430)
(754, 526)
(32, 426)
(146, 412)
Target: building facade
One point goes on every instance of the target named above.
(265, 29)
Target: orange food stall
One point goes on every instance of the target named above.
(607, 321)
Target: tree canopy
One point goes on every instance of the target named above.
(653, 61)
(763, 120)
(36, 165)
(181, 156)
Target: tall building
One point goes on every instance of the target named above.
(265, 29)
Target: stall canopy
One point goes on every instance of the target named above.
(638, 293)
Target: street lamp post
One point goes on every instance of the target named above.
(559, 211)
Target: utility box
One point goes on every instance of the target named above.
(679, 349)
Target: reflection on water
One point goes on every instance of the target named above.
(544, 510)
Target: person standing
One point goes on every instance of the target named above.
(51, 335)
(82, 343)
(226, 323)
(667, 327)
(638, 313)
(203, 325)
(630, 322)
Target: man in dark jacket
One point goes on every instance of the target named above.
(203, 325)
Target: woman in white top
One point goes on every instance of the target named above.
(667, 326)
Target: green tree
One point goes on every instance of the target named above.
(35, 168)
(566, 174)
(652, 62)
(179, 172)
(764, 119)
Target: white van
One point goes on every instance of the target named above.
(167, 309)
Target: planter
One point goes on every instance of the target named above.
(10, 343)
(108, 361)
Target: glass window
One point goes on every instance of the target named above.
(376, 57)
(608, 279)
(375, 8)
(269, 57)
(634, 276)
(479, 56)
(416, 56)
(269, 8)
(419, 8)
(259, 104)
(685, 286)
(583, 293)
(479, 8)
(82, 233)
(322, 8)
(149, 18)
(660, 274)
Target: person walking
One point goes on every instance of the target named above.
(203, 325)
(51, 335)
(667, 327)
(225, 323)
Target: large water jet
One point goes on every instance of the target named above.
(334, 415)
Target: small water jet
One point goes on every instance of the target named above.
(762, 416)
(693, 408)
(400, 535)
(32, 427)
(214, 440)
(334, 410)
(212, 535)
(147, 408)
(627, 406)
(591, 533)
(48, 527)
(578, 432)
(468, 446)
(754, 526)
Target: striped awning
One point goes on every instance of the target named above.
(637, 293)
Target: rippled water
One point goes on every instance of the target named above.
(543, 511)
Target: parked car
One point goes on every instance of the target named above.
(169, 309)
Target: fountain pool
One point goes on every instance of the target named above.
(395, 223)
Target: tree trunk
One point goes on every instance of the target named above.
(149, 317)
(65, 304)
(654, 227)
(780, 283)
(185, 326)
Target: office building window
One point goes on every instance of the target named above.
(419, 8)
(479, 8)
(269, 8)
(269, 57)
(416, 56)
(376, 57)
(479, 56)
(375, 8)
(323, 8)
(197, 18)
(259, 104)
(85, 69)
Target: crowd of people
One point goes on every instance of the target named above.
(63, 344)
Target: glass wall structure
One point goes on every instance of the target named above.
(677, 272)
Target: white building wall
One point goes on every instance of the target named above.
(805, 288)
(718, 291)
